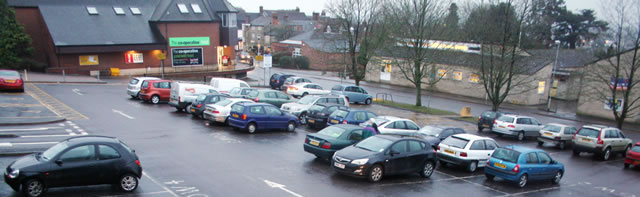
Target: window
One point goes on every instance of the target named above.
(310, 86)
(415, 146)
(237, 108)
(359, 89)
(534, 121)
(570, 130)
(214, 99)
(611, 134)
(81, 153)
(156, 85)
(446, 133)
(621, 134)
(370, 115)
(334, 132)
(532, 158)
(256, 110)
(356, 135)
(341, 101)
(544, 158)
(400, 125)
(553, 128)
(490, 145)
(350, 89)
(322, 101)
(166, 85)
(455, 142)
(333, 100)
(183, 8)
(135, 11)
(477, 145)
(506, 119)
(411, 126)
(282, 96)
(331, 109)
(272, 111)
(107, 152)
(196, 8)
(400, 147)
(360, 116)
(505, 154)
(145, 84)
(92, 10)
(523, 121)
(232, 20)
(270, 95)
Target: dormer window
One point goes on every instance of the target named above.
(228, 19)
(196, 8)
(183, 8)
(92, 10)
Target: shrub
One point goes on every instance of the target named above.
(302, 62)
(286, 62)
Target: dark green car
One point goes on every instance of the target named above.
(273, 97)
(331, 139)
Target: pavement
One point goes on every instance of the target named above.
(36, 77)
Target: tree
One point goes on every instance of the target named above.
(616, 78)
(537, 28)
(364, 31)
(452, 23)
(491, 17)
(15, 45)
(572, 28)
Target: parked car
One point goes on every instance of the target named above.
(273, 97)
(304, 89)
(255, 116)
(331, 139)
(486, 119)
(600, 140)
(350, 116)
(519, 164)
(383, 155)
(438, 133)
(301, 107)
(240, 92)
(183, 94)
(467, 150)
(199, 104)
(277, 79)
(290, 81)
(219, 112)
(516, 125)
(11, 80)
(133, 89)
(319, 114)
(355, 94)
(224, 85)
(633, 156)
(155, 91)
(557, 134)
(77, 161)
(392, 124)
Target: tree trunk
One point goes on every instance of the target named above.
(357, 81)
(418, 94)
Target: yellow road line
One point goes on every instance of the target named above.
(53, 104)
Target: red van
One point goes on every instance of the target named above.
(155, 91)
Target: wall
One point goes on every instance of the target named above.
(41, 41)
(211, 30)
(319, 60)
(71, 62)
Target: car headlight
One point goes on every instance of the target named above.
(359, 161)
(14, 174)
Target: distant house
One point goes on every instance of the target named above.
(265, 29)
(325, 50)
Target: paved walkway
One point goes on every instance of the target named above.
(36, 77)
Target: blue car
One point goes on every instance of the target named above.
(353, 93)
(260, 116)
(520, 164)
(349, 116)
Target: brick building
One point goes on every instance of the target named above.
(325, 50)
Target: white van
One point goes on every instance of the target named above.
(183, 94)
(224, 85)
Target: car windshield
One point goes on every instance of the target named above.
(552, 128)
(636, 149)
(307, 100)
(134, 81)
(374, 143)
(506, 155)
(224, 102)
(431, 131)
(506, 119)
(489, 114)
(201, 98)
(589, 132)
(455, 142)
(333, 132)
(340, 113)
(316, 108)
(54, 150)
(9, 73)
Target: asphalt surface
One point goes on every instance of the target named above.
(24, 108)
(181, 156)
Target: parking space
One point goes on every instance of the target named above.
(34, 138)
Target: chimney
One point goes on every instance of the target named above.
(274, 18)
(246, 19)
(316, 16)
(261, 10)
(297, 9)
(323, 14)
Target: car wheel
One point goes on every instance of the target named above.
(480, 129)
(606, 154)
(251, 128)
(489, 177)
(132, 96)
(367, 102)
(155, 99)
(626, 150)
(427, 169)
(576, 152)
(33, 188)
(540, 143)
(556, 179)
(520, 135)
(626, 165)
(522, 181)
(291, 127)
(128, 183)
(178, 109)
(562, 145)
(375, 173)
(304, 94)
(473, 166)
(303, 118)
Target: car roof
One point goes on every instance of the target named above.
(350, 110)
(598, 126)
(347, 126)
(213, 94)
(515, 115)
(238, 99)
(253, 104)
(146, 78)
(159, 80)
(303, 84)
(391, 118)
(558, 124)
(395, 137)
(90, 138)
(471, 136)
(522, 149)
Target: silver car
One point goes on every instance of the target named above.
(557, 134)
(133, 89)
(516, 125)
(600, 140)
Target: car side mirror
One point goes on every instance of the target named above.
(392, 153)
(553, 162)
(59, 162)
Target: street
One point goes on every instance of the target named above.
(181, 156)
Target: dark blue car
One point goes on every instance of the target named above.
(520, 164)
(349, 116)
(254, 116)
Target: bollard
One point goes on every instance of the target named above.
(98, 75)
(465, 112)
(64, 78)
(26, 77)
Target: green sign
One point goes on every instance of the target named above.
(188, 41)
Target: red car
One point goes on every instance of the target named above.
(11, 80)
(155, 91)
(633, 156)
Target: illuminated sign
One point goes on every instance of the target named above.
(133, 58)
(187, 57)
(188, 41)
(86, 60)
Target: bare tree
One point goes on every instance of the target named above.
(614, 80)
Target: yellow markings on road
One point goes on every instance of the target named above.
(53, 104)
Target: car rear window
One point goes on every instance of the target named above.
(636, 149)
(589, 132)
(506, 155)
(333, 132)
(552, 128)
(340, 113)
(506, 119)
(224, 102)
(237, 108)
(134, 81)
(9, 73)
(489, 114)
(201, 98)
(430, 131)
(455, 142)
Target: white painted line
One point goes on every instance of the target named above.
(77, 91)
(33, 143)
(84, 133)
(36, 136)
(139, 194)
(61, 124)
(76, 127)
(481, 185)
(281, 187)
(123, 114)
(68, 130)
(81, 130)
(31, 129)
(157, 183)
(5, 144)
(430, 180)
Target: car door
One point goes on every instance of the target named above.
(350, 93)
(610, 139)
(109, 162)
(489, 146)
(532, 166)
(477, 151)
(617, 141)
(522, 124)
(282, 98)
(547, 169)
(410, 126)
(397, 126)
(275, 117)
(76, 166)
(398, 160)
(258, 114)
(535, 126)
(271, 98)
(416, 155)
(362, 94)
(165, 90)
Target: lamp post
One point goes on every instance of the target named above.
(555, 63)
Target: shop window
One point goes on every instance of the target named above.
(118, 10)
(183, 8)
(135, 11)
(196, 8)
(92, 10)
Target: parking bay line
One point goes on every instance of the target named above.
(158, 183)
(489, 188)
(123, 114)
(9, 144)
(31, 129)
(430, 180)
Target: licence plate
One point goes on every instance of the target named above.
(449, 151)
(10, 81)
(312, 121)
(339, 165)
(235, 115)
(500, 165)
(315, 143)
(586, 140)
(501, 127)
(548, 134)
(193, 110)
(485, 125)
(334, 121)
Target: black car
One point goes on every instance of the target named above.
(319, 113)
(77, 161)
(278, 79)
(240, 92)
(486, 119)
(200, 103)
(328, 140)
(382, 155)
(434, 133)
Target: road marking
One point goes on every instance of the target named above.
(139, 194)
(77, 91)
(281, 187)
(157, 183)
(481, 185)
(430, 180)
(61, 124)
(123, 114)
(5, 144)
(30, 143)
(32, 129)
(52, 103)
(61, 135)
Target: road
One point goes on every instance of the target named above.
(181, 156)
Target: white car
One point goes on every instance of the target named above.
(301, 107)
(393, 125)
(133, 89)
(470, 151)
(219, 112)
(304, 89)
(516, 125)
(557, 134)
(224, 85)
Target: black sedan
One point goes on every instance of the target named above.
(77, 161)
(200, 104)
(319, 113)
(327, 141)
(383, 155)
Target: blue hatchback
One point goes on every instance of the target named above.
(520, 164)
(349, 116)
(254, 116)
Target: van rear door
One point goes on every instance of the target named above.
(175, 92)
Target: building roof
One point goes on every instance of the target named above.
(266, 17)
(567, 58)
(325, 42)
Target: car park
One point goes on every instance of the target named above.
(277, 79)
(219, 111)
(133, 89)
(199, 104)
(355, 94)
(384, 155)
(77, 161)
(392, 124)
(155, 91)
(350, 116)
(485, 120)
(520, 165)
(11, 80)
(240, 92)
(293, 81)
(224, 85)
(331, 139)
(516, 125)
(273, 97)
(183, 94)
(600, 140)
(304, 89)
(632, 156)
(439, 133)
(300, 108)
(467, 150)
(319, 114)
(257, 116)
(557, 134)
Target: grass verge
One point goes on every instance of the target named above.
(427, 110)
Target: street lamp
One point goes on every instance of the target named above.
(555, 63)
